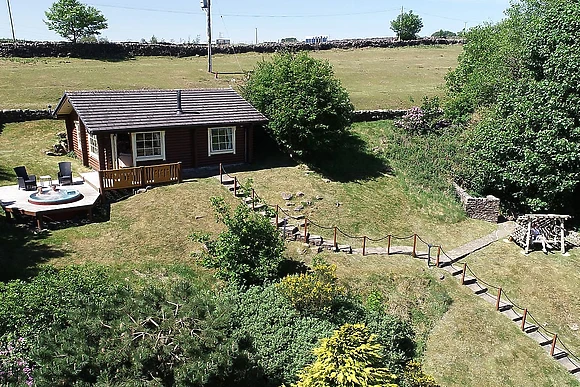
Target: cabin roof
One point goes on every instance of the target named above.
(129, 110)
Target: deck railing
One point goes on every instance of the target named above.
(137, 177)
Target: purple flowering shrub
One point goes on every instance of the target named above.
(427, 118)
(15, 367)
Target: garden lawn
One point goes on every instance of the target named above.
(375, 78)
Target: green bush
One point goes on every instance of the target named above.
(249, 252)
(308, 109)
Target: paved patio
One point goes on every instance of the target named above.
(15, 201)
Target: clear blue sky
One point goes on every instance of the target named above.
(131, 20)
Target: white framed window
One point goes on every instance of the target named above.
(221, 140)
(148, 145)
(79, 138)
(93, 145)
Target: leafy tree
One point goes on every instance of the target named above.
(249, 252)
(521, 77)
(350, 357)
(444, 34)
(73, 20)
(407, 25)
(308, 109)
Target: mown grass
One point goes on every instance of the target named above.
(375, 78)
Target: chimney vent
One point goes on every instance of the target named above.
(179, 110)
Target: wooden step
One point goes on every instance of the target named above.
(345, 248)
(476, 287)
(572, 365)
(468, 280)
(315, 240)
(227, 180)
(540, 338)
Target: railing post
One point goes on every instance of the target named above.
(463, 274)
(335, 244)
(253, 199)
(180, 172)
(221, 174)
(305, 229)
(438, 256)
(498, 299)
(364, 245)
(553, 345)
(142, 174)
(389, 245)
(101, 183)
(524, 319)
(277, 209)
(414, 245)
(235, 186)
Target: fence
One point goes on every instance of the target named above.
(411, 245)
(136, 177)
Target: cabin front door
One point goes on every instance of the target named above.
(121, 152)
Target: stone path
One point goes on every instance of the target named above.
(293, 228)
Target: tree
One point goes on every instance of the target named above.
(407, 25)
(521, 78)
(73, 20)
(444, 34)
(308, 109)
(248, 252)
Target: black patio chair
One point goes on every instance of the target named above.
(25, 181)
(64, 173)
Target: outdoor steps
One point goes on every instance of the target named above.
(540, 338)
(572, 366)
(477, 288)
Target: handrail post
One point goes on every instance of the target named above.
(335, 244)
(221, 175)
(305, 229)
(235, 186)
(179, 172)
(389, 245)
(498, 299)
(463, 274)
(524, 319)
(277, 209)
(364, 244)
(414, 245)
(438, 256)
(553, 344)
(253, 199)
(101, 183)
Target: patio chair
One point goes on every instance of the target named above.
(64, 173)
(25, 181)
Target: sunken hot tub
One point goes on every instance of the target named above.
(52, 196)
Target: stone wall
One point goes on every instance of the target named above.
(107, 50)
(19, 115)
(479, 208)
(377, 115)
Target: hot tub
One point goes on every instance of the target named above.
(55, 196)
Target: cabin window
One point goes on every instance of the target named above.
(221, 140)
(93, 145)
(149, 145)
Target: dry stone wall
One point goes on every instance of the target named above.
(108, 50)
(486, 208)
(19, 115)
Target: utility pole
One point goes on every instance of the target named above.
(11, 22)
(256, 35)
(401, 26)
(206, 5)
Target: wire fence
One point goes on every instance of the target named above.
(300, 227)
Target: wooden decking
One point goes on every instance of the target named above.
(14, 201)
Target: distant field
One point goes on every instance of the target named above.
(375, 78)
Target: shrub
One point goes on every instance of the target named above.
(308, 109)
(350, 357)
(249, 252)
(413, 376)
(315, 291)
(15, 363)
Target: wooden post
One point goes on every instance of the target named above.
(524, 319)
(277, 209)
(463, 274)
(498, 299)
(389, 245)
(235, 186)
(305, 229)
(253, 199)
(562, 237)
(179, 172)
(414, 245)
(335, 244)
(553, 345)
(527, 251)
(221, 174)
(364, 245)
(438, 256)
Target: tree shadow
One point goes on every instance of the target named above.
(351, 160)
(23, 250)
(7, 174)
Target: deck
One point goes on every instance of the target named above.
(15, 201)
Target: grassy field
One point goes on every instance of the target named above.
(375, 78)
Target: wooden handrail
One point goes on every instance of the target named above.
(135, 177)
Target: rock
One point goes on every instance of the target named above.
(298, 208)
(299, 193)
(442, 277)
(198, 217)
(318, 197)
(574, 327)
(326, 180)
(140, 191)
(309, 203)
(287, 196)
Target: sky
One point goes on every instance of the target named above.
(182, 21)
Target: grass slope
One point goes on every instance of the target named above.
(375, 78)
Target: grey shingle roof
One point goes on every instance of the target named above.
(122, 110)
